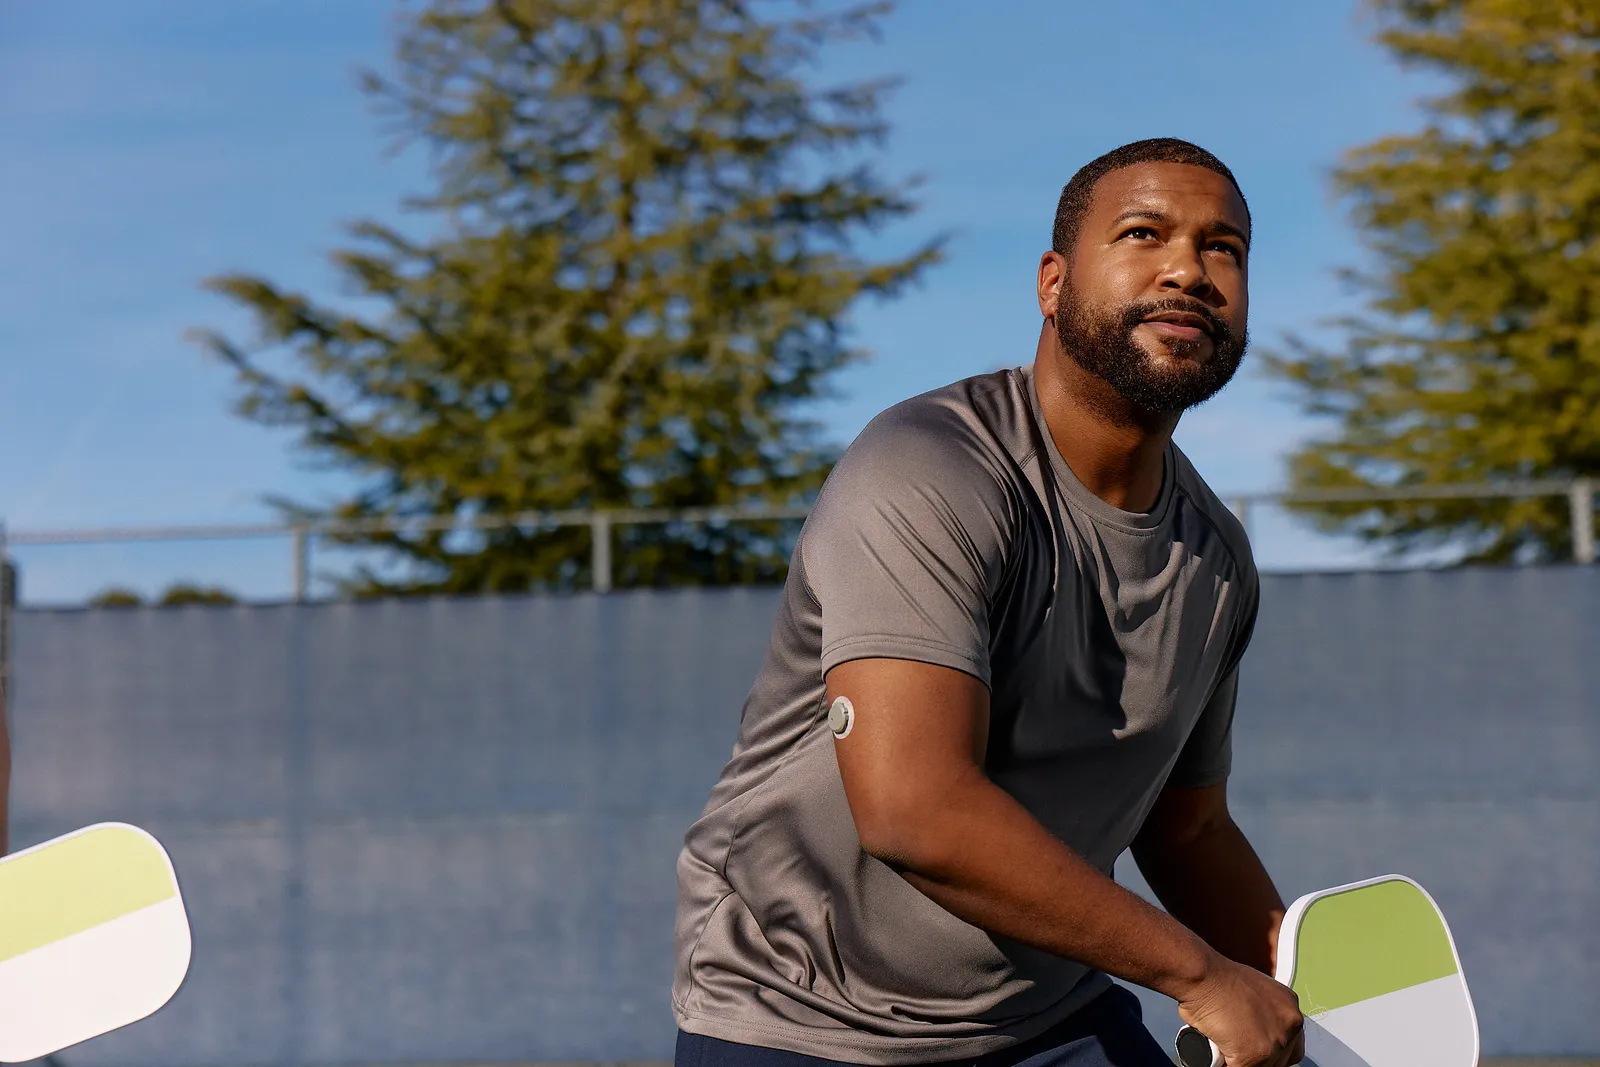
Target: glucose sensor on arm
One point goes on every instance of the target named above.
(841, 717)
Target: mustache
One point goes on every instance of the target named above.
(1136, 313)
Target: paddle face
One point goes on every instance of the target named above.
(1378, 978)
(93, 936)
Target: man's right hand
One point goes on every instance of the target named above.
(1253, 1020)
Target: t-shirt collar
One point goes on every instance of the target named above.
(1081, 496)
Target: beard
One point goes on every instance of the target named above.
(1102, 343)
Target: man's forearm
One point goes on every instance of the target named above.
(985, 859)
(1217, 886)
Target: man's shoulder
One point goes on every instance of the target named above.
(981, 421)
(1200, 497)
(950, 459)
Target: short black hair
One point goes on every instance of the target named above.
(1075, 195)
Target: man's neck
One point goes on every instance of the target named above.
(1117, 451)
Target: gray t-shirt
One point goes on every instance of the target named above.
(952, 532)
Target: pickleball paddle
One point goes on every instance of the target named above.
(93, 936)
(1378, 977)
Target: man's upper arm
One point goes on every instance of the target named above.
(902, 553)
(918, 732)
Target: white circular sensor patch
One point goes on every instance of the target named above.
(841, 717)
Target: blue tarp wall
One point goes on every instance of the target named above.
(445, 830)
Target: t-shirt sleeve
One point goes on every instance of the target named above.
(1207, 756)
(906, 544)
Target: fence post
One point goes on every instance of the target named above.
(302, 563)
(1581, 496)
(1241, 511)
(600, 550)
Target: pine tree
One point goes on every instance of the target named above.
(1478, 358)
(641, 262)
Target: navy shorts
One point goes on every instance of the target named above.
(1107, 1032)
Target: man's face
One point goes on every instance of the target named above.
(1154, 298)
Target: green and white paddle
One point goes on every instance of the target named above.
(1378, 978)
(93, 936)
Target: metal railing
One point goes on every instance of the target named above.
(1580, 493)
(302, 535)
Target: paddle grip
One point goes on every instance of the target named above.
(1196, 1049)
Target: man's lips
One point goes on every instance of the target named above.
(1179, 324)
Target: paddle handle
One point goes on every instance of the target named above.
(1196, 1049)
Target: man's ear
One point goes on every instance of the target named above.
(1052, 275)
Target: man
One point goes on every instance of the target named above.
(1033, 610)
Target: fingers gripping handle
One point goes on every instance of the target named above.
(1196, 1049)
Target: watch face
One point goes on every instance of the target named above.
(1194, 1048)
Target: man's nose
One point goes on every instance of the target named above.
(1185, 272)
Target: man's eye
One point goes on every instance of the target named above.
(1140, 232)
(1223, 246)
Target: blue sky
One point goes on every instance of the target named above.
(145, 145)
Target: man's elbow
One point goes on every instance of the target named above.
(1183, 818)
(907, 830)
